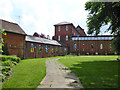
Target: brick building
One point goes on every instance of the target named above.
(36, 47)
(26, 46)
(15, 38)
(79, 43)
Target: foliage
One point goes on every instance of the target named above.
(5, 50)
(12, 58)
(116, 43)
(27, 74)
(2, 31)
(103, 13)
(53, 37)
(7, 64)
(94, 71)
(41, 35)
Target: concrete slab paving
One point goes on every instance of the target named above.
(59, 76)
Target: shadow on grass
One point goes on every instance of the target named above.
(97, 74)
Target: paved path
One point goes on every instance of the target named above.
(59, 76)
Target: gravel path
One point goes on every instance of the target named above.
(59, 76)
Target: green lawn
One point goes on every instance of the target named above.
(27, 74)
(94, 71)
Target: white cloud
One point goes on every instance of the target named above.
(6, 10)
(40, 16)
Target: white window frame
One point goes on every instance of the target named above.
(59, 38)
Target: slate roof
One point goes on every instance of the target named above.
(41, 40)
(63, 23)
(11, 27)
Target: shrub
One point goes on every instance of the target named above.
(12, 58)
(6, 68)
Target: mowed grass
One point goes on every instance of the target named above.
(94, 71)
(27, 74)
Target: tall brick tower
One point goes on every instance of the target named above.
(64, 32)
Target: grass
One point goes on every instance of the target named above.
(94, 71)
(27, 74)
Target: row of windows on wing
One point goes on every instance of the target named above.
(59, 28)
(92, 38)
(46, 48)
(92, 46)
(66, 38)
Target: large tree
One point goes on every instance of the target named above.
(104, 13)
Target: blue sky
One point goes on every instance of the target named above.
(40, 15)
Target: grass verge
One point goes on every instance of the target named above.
(94, 71)
(27, 74)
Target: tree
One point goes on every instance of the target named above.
(104, 13)
(5, 50)
(53, 37)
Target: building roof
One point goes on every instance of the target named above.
(63, 23)
(11, 27)
(80, 30)
(41, 40)
(104, 37)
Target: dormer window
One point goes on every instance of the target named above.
(66, 28)
(59, 28)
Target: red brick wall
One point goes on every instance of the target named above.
(42, 54)
(15, 43)
(88, 49)
(71, 32)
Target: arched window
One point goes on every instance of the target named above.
(75, 47)
(46, 49)
(40, 48)
(92, 46)
(66, 37)
(32, 47)
(59, 28)
(83, 46)
(66, 28)
(59, 38)
(51, 49)
(101, 46)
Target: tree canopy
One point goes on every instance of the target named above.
(103, 13)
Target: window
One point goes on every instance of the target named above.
(66, 28)
(58, 38)
(75, 46)
(40, 48)
(83, 46)
(52, 49)
(66, 37)
(101, 46)
(59, 28)
(92, 46)
(32, 47)
(65, 49)
(46, 49)
(60, 49)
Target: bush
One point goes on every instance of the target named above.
(6, 68)
(12, 58)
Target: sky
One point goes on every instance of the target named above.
(41, 15)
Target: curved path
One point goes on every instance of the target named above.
(59, 76)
